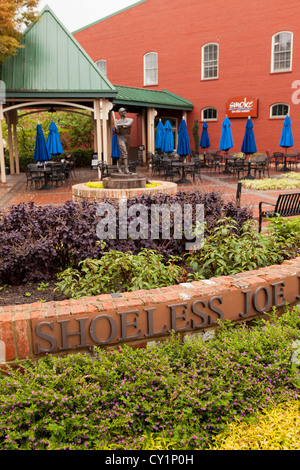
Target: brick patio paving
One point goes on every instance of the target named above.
(14, 190)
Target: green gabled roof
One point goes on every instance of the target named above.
(151, 98)
(52, 63)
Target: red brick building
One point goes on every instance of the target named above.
(212, 53)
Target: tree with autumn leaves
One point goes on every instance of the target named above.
(14, 16)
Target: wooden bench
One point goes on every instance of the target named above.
(286, 205)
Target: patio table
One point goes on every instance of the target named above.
(46, 171)
(285, 168)
(183, 166)
(250, 167)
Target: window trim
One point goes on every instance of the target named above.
(145, 70)
(102, 61)
(272, 52)
(208, 119)
(283, 115)
(202, 61)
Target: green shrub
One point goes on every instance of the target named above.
(83, 156)
(117, 271)
(171, 395)
(227, 251)
(286, 233)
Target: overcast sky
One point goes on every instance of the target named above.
(74, 14)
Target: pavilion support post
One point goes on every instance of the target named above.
(10, 143)
(95, 135)
(106, 108)
(15, 137)
(151, 113)
(98, 132)
(109, 136)
(144, 132)
(2, 157)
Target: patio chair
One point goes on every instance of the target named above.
(293, 160)
(278, 158)
(215, 161)
(33, 177)
(239, 166)
(57, 174)
(260, 164)
(169, 170)
(70, 168)
(132, 166)
(149, 159)
(195, 171)
(157, 166)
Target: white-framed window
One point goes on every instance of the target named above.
(210, 61)
(151, 68)
(279, 110)
(282, 48)
(209, 114)
(102, 66)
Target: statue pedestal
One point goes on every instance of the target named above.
(124, 181)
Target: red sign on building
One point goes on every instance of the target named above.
(242, 106)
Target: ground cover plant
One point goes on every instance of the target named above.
(92, 184)
(276, 428)
(286, 181)
(172, 395)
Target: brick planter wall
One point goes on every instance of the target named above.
(82, 191)
(68, 326)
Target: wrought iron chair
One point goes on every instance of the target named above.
(293, 159)
(260, 165)
(33, 176)
(278, 158)
(239, 166)
(57, 174)
(195, 170)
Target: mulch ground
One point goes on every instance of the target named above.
(28, 293)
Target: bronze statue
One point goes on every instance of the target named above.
(122, 127)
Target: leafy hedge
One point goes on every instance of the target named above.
(171, 395)
(83, 158)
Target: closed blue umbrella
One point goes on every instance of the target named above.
(41, 151)
(286, 139)
(159, 138)
(204, 140)
(168, 143)
(183, 147)
(226, 141)
(53, 141)
(115, 151)
(249, 145)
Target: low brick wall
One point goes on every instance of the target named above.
(136, 318)
(82, 191)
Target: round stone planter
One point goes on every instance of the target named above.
(82, 191)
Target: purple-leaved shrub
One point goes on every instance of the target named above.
(38, 241)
